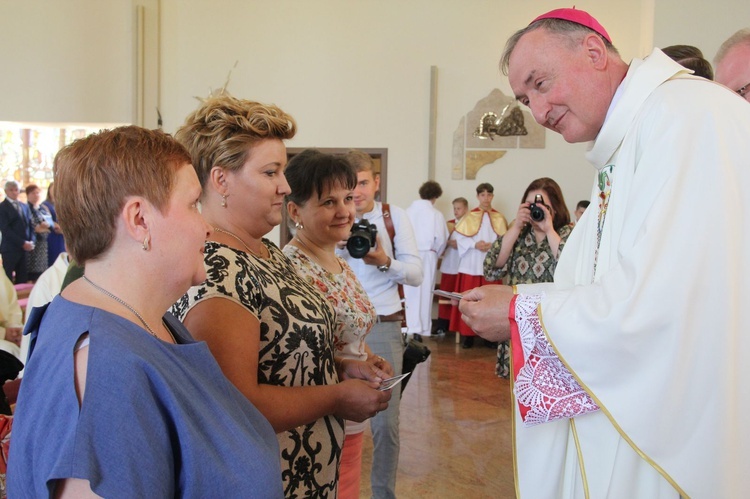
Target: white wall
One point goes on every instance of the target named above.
(356, 74)
(703, 24)
(66, 61)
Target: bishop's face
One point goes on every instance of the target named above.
(561, 82)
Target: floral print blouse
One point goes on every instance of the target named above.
(529, 262)
(355, 313)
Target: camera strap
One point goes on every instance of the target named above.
(391, 230)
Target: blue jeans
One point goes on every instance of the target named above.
(385, 340)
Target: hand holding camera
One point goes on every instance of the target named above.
(364, 243)
(536, 213)
(537, 209)
(363, 237)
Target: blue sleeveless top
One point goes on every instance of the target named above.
(157, 419)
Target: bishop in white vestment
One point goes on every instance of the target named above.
(629, 369)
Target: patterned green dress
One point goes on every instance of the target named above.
(529, 262)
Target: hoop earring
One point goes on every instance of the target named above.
(298, 226)
(147, 243)
(223, 200)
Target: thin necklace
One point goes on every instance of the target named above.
(217, 229)
(123, 302)
(312, 254)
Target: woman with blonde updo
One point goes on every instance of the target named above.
(270, 330)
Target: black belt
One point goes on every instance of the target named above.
(394, 317)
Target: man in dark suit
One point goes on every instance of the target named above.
(17, 235)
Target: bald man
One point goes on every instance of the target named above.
(732, 63)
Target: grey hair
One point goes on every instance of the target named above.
(740, 37)
(574, 32)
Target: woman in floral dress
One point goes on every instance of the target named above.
(529, 250)
(321, 206)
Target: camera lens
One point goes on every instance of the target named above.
(361, 239)
(537, 214)
(358, 245)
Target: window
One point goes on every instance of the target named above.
(27, 153)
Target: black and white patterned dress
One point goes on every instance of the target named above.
(37, 259)
(296, 349)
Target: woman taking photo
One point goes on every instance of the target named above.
(529, 250)
(270, 330)
(117, 399)
(321, 207)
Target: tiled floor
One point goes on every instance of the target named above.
(455, 428)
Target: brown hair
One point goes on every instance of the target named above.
(222, 131)
(561, 216)
(692, 58)
(485, 187)
(312, 171)
(360, 161)
(430, 190)
(95, 175)
(31, 188)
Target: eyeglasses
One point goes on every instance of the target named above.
(743, 91)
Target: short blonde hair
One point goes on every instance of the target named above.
(222, 131)
(95, 175)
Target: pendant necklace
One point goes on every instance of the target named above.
(235, 236)
(126, 305)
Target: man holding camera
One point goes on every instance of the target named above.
(381, 270)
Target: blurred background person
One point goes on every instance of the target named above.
(321, 207)
(474, 235)
(270, 330)
(41, 223)
(11, 318)
(55, 239)
(117, 398)
(431, 233)
(691, 58)
(17, 235)
(581, 209)
(732, 63)
(529, 251)
(449, 266)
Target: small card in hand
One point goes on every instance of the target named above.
(389, 383)
(448, 294)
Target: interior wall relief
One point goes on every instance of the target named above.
(484, 134)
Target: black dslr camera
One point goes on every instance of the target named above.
(362, 238)
(537, 213)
